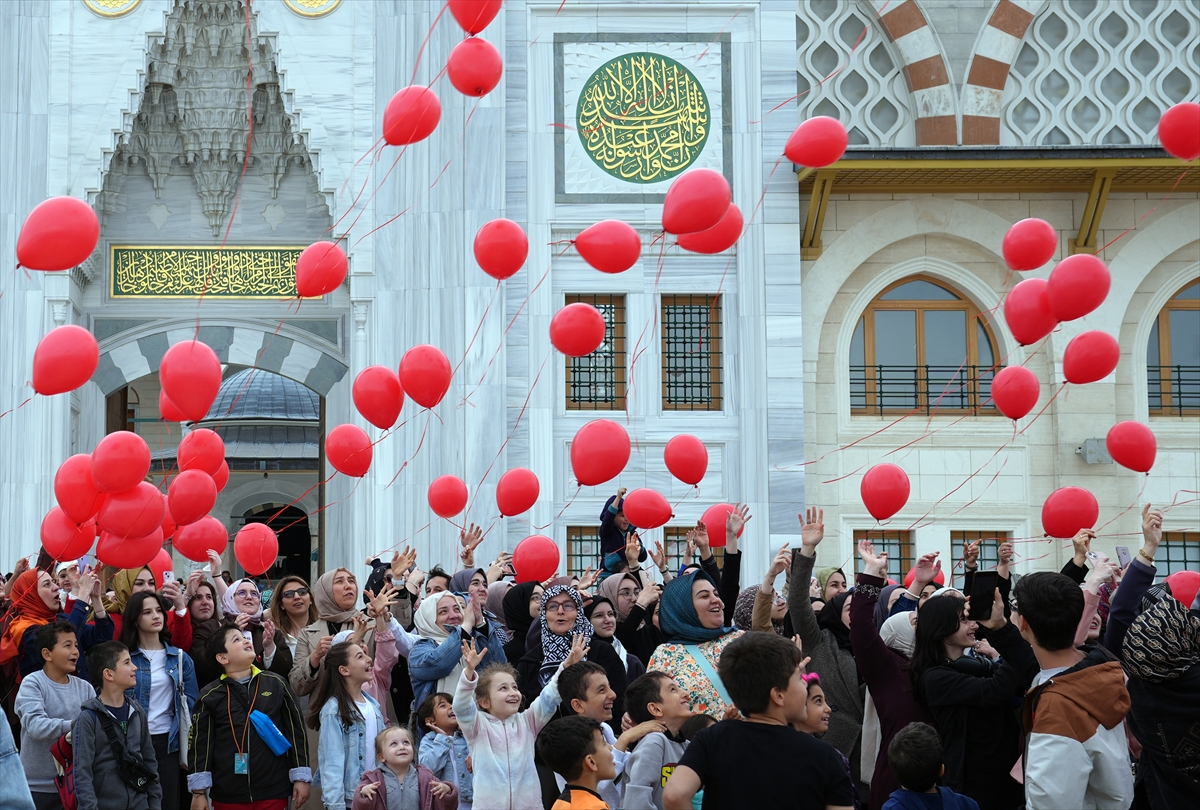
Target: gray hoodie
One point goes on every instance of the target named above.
(98, 785)
(647, 770)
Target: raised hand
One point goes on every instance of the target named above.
(193, 582)
(1082, 541)
(578, 652)
(736, 520)
(649, 595)
(633, 549)
(87, 582)
(242, 620)
(996, 620)
(471, 537)
(361, 623)
(781, 563)
(874, 564)
(812, 529)
(214, 564)
(1005, 553)
(659, 555)
(174, 594)
(1103, 571)
(983, 648)
(318, 655)
(381, 604)
(927, 569)
(403, 560)
(970, 557)
(469, 617)
(268, 637)
(701, 533)
(498, 567)
(1152, 520)
(587, 580)
(471, 656)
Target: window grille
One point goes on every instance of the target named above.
(1101, 72)
(1173, 356)
(675, 545)
(989, 550)
(597, 381)
(583, 549)
(897, 544)
(691, 353)
(1178, 551)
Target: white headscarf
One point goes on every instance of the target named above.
(230, 607)
(899, 634)
(427, 626)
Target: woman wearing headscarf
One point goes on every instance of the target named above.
(495, 603)
(637, 621)
(127, 582)
(473, 582)
(336, 597)
(882, 652)
(826, 639)
(435, 662)
(548, 644)
(34, 602)
(242, 607)
(522, 604)
(759, 607)
(830, 582)
(601, 613)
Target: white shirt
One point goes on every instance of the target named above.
(372, 725)
(1046, 674)
(162, 693)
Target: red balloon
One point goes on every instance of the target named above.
(719, 237)
(425, 375)
(1029, 244)
(1184, 585)
(120, 461)
(222, 476)
(60, 233)
(884, 490)
(940, 579)
(610, 246)
(501, 248)
(1068, 510)
(535, 559)
(1178, 131)
(1078, 284)
(599, 451)
(1015, 391)
(64, 539)
(129, 552)
(320, 270)
(75, 490)
(1132, 445)
(646, 509)
(203, 450)
(161, 564)
(1027, 311)
(349, 450)
(687, 459)
(65, 359)
(191, 496)
(1090, 356)
(378, 396)
(474, 15)
(517, 491)
(696, 201)
(447, 496)
(474, 67)
(411, 115)
(195, 540)
(256, 547)
(133, 513)
(169, 526)
(168, 410)
(817, 142)
(191, 376)
(714, 520)
(577, 329)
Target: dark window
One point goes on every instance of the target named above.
(1178, 551)
(897, 544)
(583, 549)
(1173, 356)
(921, 346)
(675, 545)
(989, 548)
(691, 352)
(597, 381)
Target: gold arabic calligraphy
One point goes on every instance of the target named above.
(188, 272)
(643, 117)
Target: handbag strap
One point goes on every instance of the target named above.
(709, 671)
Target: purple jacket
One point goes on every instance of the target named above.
(425, 782)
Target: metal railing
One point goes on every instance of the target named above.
(893, 388)
(1173, 390)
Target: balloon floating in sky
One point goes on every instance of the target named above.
(349, 450)
(577, 329)
(1015, 390)
(378, 396)
(535, 559)
(517, 491)
(884, 490)
(320, 270)
(610, 246)
(474, 67)
(1077, 286)
(696, 201)
(1029, 244)
(1068, 510)
(256, 547)
(120, 461)
(474, 15)
(59, 233)
(646, 509)
(1132, 445)
(686, 458)
(714, 521)
(599, 451)
(718, 238)
(1090, 356)
(412, 115)
(191, 376)
(501, 248)
(817, 142)
(65, 359)
(1027, 311)
(447, 496)
(1179, 130)
(425, 375)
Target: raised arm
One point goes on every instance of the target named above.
(812, 532)
(1138, 578)
(1103, 572)
(869, 650)
(764, 600)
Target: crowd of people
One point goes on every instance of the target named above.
(433, 690)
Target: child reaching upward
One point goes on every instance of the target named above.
(399, 781)
(502, 737)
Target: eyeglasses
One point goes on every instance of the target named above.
(630, 593)
(248, 595)
(561, 607)
(294, 592)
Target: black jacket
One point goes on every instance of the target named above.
(600, 653)
(208, 670)
(211, 753)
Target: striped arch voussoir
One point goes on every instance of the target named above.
(995, 51)
(924, 69)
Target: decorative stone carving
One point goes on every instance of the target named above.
(159, 214)
(193, 112)
(274, 214)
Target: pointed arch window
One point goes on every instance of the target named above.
(1173, 355)
(921, 345)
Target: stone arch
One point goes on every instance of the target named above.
(286, 351)
(991, 60)
(925, 70)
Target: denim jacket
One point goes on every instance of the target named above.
(141, 692)
(14, 792)
(344, 754)
(428, 660)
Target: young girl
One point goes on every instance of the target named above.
(501, 737)
(166, 679)
(348, 719)
(817, 722)
(400, 781)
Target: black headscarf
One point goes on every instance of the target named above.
(516, 610)
(830, 618)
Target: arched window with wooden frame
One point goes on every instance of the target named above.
(1173, 355)
(921, 345)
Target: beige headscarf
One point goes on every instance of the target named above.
(427, 626)
(327, 607)
(122, 586)
(609, 588)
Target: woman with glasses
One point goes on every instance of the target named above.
(242, 607)
(335, 596)
(601, 613)
(549, 643)
(292, 609)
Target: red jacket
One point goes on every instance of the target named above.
(425, 782)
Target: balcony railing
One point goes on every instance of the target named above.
(898, 389)
(1174, 390)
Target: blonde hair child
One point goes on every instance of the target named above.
(399, 773)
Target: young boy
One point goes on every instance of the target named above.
(108, 721)
(915, 755)
(576, 749)
(761, 761)
(1076, 754)
(228, 759)
(48, 704)
(444, 748)
(654, 698)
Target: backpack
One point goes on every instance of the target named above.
(64, 762)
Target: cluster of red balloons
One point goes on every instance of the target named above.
(191, 495)
(65, 359)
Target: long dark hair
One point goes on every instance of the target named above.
(332, 684)
(277, 612)
(133, 612)
(937, 619)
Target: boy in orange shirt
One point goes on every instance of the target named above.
(575, 748)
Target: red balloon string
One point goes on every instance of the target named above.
(651, 325)
(561, 512)
(1136, 501)
(847, 475)
(303, 518)
(424, 42)
(965, 481)
(716, 38)
(375, 152)
(1143, 216)
(17, 408)
(420, 444)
